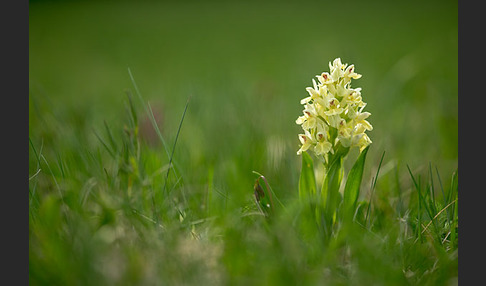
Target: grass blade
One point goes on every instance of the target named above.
(131, 110)
(373, 185)
(112, 154)
(173, 147)
(442, 191)
(148, 109)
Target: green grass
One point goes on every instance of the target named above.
(151, 126)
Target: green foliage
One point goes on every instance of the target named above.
(353, 183)
(120, 229)
(263, 197)
(100, 156)
(330, 198)
(307, 180)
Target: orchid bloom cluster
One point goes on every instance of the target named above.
(333, 113)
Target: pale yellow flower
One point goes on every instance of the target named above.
(333, 112)
(364, 142)
(353, 96)
(309, 119)
(306, 140)
(324, 78)
(334, 107)
(350, 73)
(345, 133)
(333, 120)
(316, 92)
(322, 127)
(322, 146)
(360, 119)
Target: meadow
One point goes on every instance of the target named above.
(150, 124)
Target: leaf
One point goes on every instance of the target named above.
(332, 182)
(353, 182)
(330, 196)
(263, 201)
(307, 180)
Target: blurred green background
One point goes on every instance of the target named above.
(245, 66)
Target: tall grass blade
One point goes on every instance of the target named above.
(157, 129)
(454, 213)
(422, 202)
(35, 153)
(110, 137)
(432, 191)
(442, 191)
(419, 212)
(373, 185)
(53, 177)
(131, 111)
(173, 147)
(32, 193)
(148, 109)
(112, 154)
(209, 194)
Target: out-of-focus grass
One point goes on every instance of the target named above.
(245, 67)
